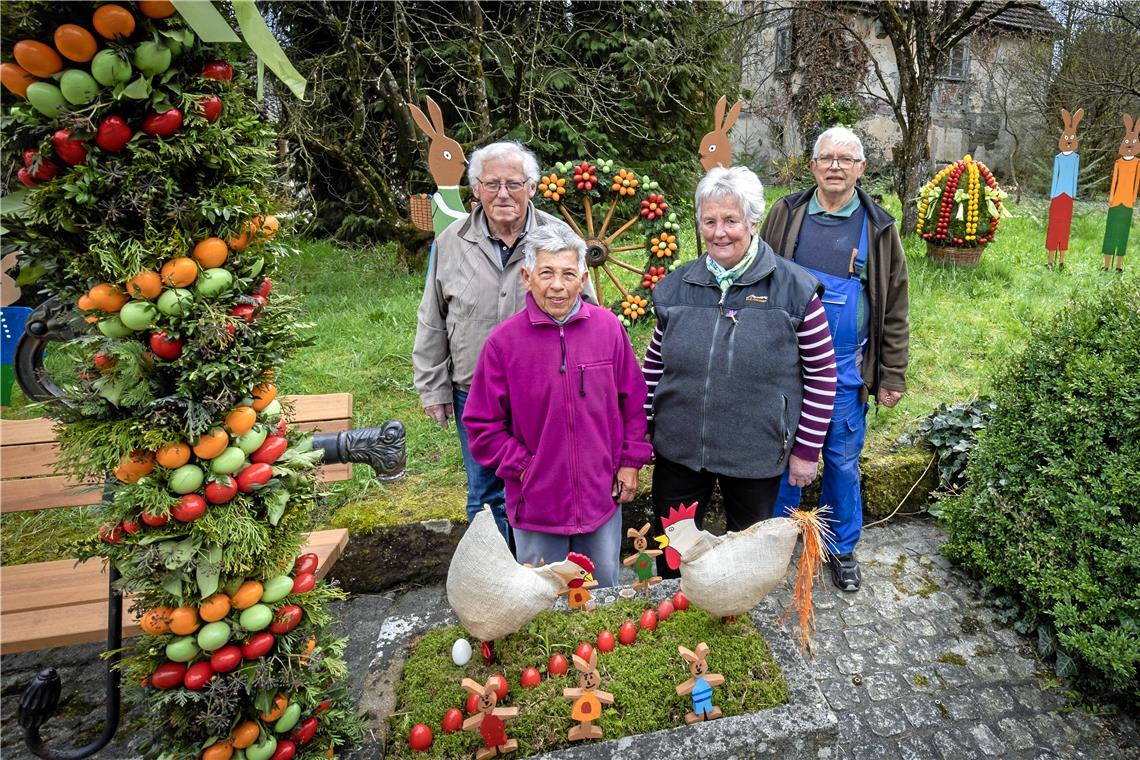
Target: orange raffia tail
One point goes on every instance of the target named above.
(815, 534)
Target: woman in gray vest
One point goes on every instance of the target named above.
(740, 370)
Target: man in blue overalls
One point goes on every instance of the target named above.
(839, 234)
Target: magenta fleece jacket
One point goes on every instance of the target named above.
(563, 405)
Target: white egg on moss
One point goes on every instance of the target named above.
(461, 652)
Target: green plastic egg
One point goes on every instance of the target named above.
(251, 441)
(174, 303)
(183, 649)
(276, 589)
(138, 315)
(109, 68)
(214, 635)
(272, 409)
(113, 327)
(45, 98)
(152, 58)
(78, 87)
(288, 719)
(262, 750)
(213, 282)
(186, 479)
(256, 618)
(228, 462)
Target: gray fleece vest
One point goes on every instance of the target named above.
(729, 399)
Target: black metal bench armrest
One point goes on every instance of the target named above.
(381, 448)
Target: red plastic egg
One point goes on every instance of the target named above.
(531, 678)
(453, 720)
(557, 666)
(627, 634)
(420, 738)
(605, 641)
(648, 620)
(664, 610)
(680, 602)
(584, 650)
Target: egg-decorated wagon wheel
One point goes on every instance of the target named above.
(628, 227)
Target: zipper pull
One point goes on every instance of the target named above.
(581, 380)
(562, 342)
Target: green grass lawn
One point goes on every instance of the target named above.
(362, 307)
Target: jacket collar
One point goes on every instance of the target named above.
(539, 317)
(880, 219)
(699, 274)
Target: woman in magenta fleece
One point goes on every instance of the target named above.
(557, 408)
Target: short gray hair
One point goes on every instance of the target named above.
(504, 149)
(552, 238)
(739, 183)
(839, 136)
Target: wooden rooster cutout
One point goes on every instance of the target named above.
(728, 575)
(491, 593)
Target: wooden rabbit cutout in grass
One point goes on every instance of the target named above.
(587, 699)
(1066, 164)
(716, 150)
(488, 719)
(700, 686)
(446, 164)
(1122, 196)
(642, 560)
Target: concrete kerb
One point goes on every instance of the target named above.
(799, 728)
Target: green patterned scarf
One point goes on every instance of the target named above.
(725, 277)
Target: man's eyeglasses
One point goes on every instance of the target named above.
(845, 162)
(495, 185)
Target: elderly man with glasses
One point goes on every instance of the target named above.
(839, 234)
(473, 284)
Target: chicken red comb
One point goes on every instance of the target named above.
(676, 514)
(582, 561)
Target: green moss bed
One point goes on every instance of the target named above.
(642, 677)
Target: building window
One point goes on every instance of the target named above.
(784, 48)
(958, 64)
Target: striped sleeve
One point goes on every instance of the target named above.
(652, 368)
(817, 362)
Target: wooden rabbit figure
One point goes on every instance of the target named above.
(700, 686)
(587, 699)
(1122, 196)
(1066, 164)
(642, 560)
(716, 150)
(446, 164)
(488, 719)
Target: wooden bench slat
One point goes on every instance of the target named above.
(83, 621)
(29, 460)
(324, 406)
(37, 430)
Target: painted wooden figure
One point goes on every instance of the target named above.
(488, 719)
(716, 149)
(700, 685)
(588, 700)
(446, 163)
(578, 589)
(1066, 164)
(1122, 197)
(643, 560)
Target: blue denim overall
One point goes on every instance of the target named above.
(844, 440)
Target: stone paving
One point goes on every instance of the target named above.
(914, 665)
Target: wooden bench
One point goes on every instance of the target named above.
(49, 604)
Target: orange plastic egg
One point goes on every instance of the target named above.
(107, 297)
(240, 421)
(113, 22)
(15, 79)
(156, 8)
(247, 595)
(211, 252)
(173, 455)
(75, 43)
(280, 702)
(156, 621)
(135, 465)
(214, 608)
(36, 58)
(222, 750)
(211, 444)
(246, 734)
(184, 620)
(263, 395)
(146, 285)
(179, 272)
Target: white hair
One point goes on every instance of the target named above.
(739, 183)
(505, 149)
(552, 238)
(839, 136)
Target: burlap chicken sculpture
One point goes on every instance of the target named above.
(728, 575)
(491, 593)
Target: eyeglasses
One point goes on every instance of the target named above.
(495, 185)
(845, 162)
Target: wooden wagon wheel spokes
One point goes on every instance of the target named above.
(635, 244)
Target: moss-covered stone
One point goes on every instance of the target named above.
(890, 477)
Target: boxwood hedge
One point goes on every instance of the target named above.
(1051, 516)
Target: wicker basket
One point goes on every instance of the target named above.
(951, 256)
(419, 208)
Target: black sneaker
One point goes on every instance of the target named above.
(845, 572)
